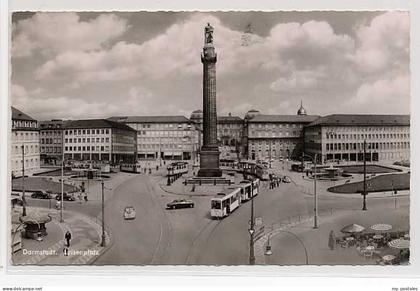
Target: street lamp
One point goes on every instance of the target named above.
(103, 215)
(252, 229)
(315, 194)
(364, 193)
(62, 177)
(23, 182)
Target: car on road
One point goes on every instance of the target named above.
(41, 194)
(66, 196)
(180, 203)
(286, 179)
(129, 213)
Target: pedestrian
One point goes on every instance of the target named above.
(65, 251)
(331, 240)
(67, 236)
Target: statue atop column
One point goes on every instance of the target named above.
(208, 34)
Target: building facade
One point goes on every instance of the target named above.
(340, 137)
(276, 136)
(51, 136)
(163, 137)
(99, 140)
(24, 144)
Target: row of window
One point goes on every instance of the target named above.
(29, 164)
(405, 128)
(275, 125)
(50, 150)
(50, 132)
(273, 143)
(369, 146)
(29, 149)
(275, 134)
(137, 126)
(164, 146)
(50, 140)
(28, 124)
(87, 131)
(86, 148)
(367, 136)
(173, 133)
(87, 140)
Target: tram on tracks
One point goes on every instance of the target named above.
(130, 168)
(249, 189)
(251, 168)
(177, 168)
(225, 202)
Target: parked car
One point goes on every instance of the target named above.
(66, 196)
(180, 203)
(129, 213)
(286, 179)
(41, 195)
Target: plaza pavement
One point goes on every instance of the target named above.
(83, 219)
(84, 245)
(287, 250)
(286, 235)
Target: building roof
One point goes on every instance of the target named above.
(229, 119)
(262, 118)
(96, 123)
(19, 115)
(151, 119)
(362, 119)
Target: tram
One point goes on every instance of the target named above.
(131, 168)
(251, 168)
(225, 202)
(249, 189)
(177, 168)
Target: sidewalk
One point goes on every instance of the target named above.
(84, 245)
(289, 240)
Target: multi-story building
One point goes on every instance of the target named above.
(24, 144)
(163, 137)
(341, 137)
(99, 140)
(229, 130)
(276, 136)
(51, 135)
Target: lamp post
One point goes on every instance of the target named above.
(23, 182)
(62, 177)
(252, 230)
(315, 194)
(364, 193)
(103, 215)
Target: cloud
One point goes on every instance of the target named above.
(384, 43)
(384, 93)
(163, 74)
(60, 32)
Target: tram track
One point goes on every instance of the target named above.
(198, 240)
(160, 250)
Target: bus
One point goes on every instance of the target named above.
(131, 168)
(225, 202)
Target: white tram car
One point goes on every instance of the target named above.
(131, 168)
(249, 189)
(224, 203)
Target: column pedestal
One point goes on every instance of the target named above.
(209, 162)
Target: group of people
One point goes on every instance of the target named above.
(274, 181)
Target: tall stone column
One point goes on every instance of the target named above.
(209, 154)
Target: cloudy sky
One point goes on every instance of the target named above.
(89, 65)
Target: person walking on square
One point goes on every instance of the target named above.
(68, 238)
(331, 240)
